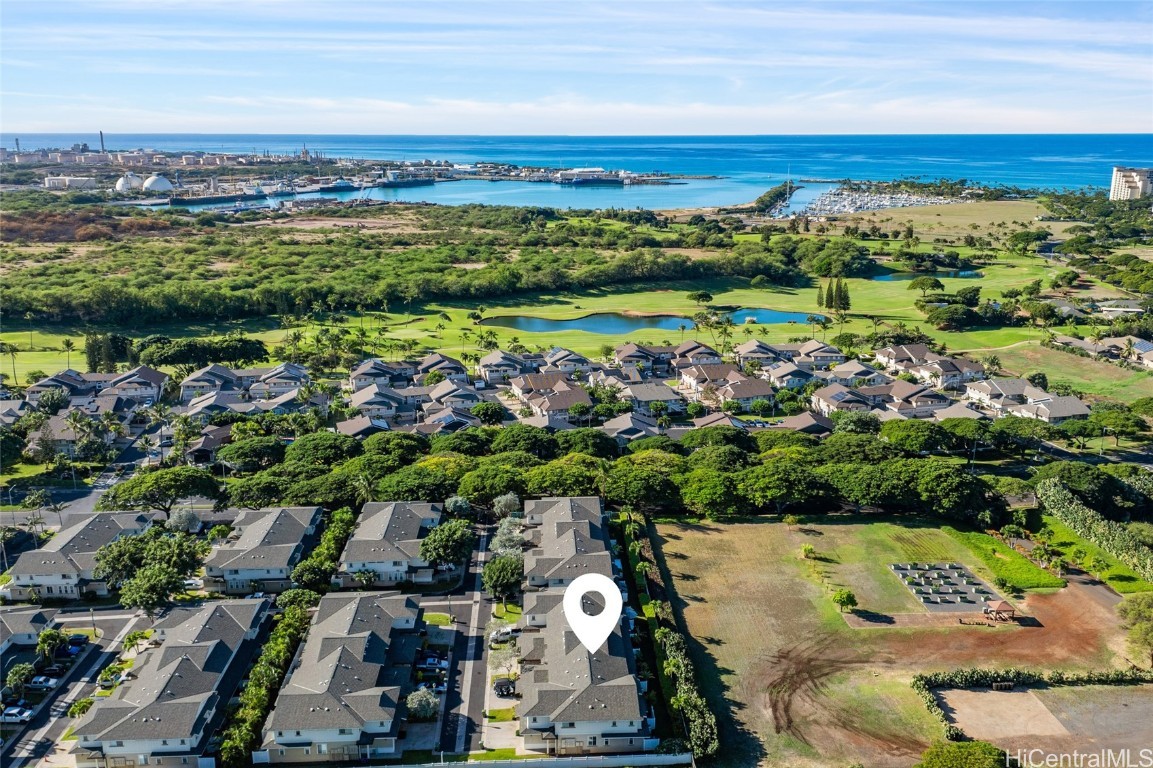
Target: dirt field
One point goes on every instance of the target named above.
(955, 220)
(1057, 720)
(805, 689)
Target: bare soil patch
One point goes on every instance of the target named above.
(999, 715)
(796, 685)
(956, 219)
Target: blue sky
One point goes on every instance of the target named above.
(624, 67)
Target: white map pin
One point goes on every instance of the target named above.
(592, 631)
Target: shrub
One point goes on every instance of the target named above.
(1114, 538)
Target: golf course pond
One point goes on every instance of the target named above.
(616, 323)
(893, 276)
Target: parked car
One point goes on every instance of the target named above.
(193, 583)
(67, 651)
(16, 715)
(55, 670)
(432, 664)
(255, 596)
(80, 640)
(42, 683)
(503, 635)
(439, 686)
(504, 687)
(108, 683)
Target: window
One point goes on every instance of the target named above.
(298, 733)
(592, 741)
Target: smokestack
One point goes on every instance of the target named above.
(102, 142)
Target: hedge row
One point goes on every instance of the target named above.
(923, 685)
(1114, 538)
(690, 701)
(315, 572)
(243, 733)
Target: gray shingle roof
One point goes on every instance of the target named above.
(390, 531)
(269, 538)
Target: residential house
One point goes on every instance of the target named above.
(11, 411)
(643, 396)
(787, 376)
(499, 367)
(838, 397)
(699, 378)
(376, 371)
(928, 367)
(630, 426)
(913, 401)
(694, 353)
(656, 359)
(745, 391)
(853, 373)
(815, 355)
(808, 422)
(550, 395)
(259, 383)
(566, 361)
(438, 419)
(718, 419)
(261, 551)
(570, 540)
(451, 368)
(1000, 394)
(580, 702)
(756, 351)
(208, 380)
(22, 626)
(208, 405)
(378, 400)
(361, 427)
(63, 567)
(203, 449)
(342, 697)
(386, 544)
(177, 692)
(141, 383)
(453, 394)
(1058, 409)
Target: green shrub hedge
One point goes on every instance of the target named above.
(1114, 538)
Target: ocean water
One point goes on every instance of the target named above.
(749, 164)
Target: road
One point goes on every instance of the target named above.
(464, 702)
(82, 500)
(44, 731)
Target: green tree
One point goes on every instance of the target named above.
(252, 453)
(695, 410)
(712, 494)
(161, 490)
(323, 448)
(423, 705)
(856, 422)
(502, 577)
(844, 598)
(19, 675)
(48, 641)
(914, 435)
(506, 505)
(780, 483)
(450, 542)
(924, 284)
(522, 437)
(700, 297)
(314, 575)
(80, 707)
(639, 487)
(484, 484)
(133, 639)
(962, 754)
(1136, 612)
(150, 589)
(489, 413)
(592, 442)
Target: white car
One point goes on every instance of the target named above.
(43, 683)
(16, 715)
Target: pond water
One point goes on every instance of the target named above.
(892, 276)
(617, 324)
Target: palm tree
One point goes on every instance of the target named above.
(365, 491)
(68, 345)
(11, 351)
(1130, 350)
(682, 328)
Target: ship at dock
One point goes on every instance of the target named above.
(590, 177)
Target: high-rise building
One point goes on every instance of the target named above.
(1130, 183)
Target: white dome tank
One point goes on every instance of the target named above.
(129, 182)
(157, 183)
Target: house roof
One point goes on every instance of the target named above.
(18, 620)
(268, 538)
(73, 549)
(361, 426)
(349, 671)
(389, 531)
(173, 687)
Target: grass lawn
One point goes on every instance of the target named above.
(792, 683)
(1006, 563)
(1091, 376)
(510, 613)
(506, 715)
(1117, 575)
(437, 619)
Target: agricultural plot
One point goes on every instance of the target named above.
(786, 673)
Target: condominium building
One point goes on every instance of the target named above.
(1130, 183)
